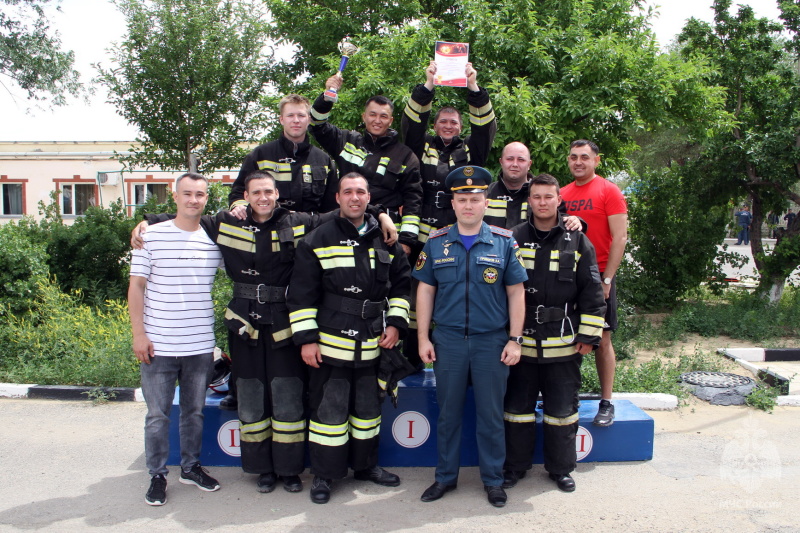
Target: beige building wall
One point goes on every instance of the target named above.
(83, 173)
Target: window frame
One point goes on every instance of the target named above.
(76, 180)
(23, 183)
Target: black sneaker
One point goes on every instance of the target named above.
(199, 476)
(605, 414)
(157, 493)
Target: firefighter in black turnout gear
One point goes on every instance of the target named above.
(390, 167)
(271, 379)
(508, 196)
(439, 154)
(348, 298)
(564, 310)
(445, 151)
(305, 175)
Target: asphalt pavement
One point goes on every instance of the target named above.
(72, 466)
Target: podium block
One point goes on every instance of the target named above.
(408, 433)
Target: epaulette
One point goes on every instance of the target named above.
(439, 232)
(501, 231)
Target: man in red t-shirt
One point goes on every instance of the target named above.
(601, 204)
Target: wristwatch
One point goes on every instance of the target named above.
(518, 340)
(607, 281)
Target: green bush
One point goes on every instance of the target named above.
(23, 264)
(221, 294)
(674, 234)
(763, 397)
(64, 341)
(91, 255)
(740, 315)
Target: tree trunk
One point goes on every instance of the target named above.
(771, 287)
(756, 246)
(193, 163)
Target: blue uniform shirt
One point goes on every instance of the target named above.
(493, 262)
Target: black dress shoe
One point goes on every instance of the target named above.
(377, 475)
(496, 495)
(229, 403)
(564, 482)
(436, 491)
(510, 477)
(320, 490)
(266, 482)
(292, 483)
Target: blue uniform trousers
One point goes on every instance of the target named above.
(458, 358)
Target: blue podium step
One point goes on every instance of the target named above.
(408, 433)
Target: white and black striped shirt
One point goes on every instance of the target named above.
(180, 267)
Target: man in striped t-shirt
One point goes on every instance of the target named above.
(172, 317)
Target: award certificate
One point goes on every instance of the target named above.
(451, 62)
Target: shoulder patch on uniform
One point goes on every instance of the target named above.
(439, 232)
(501, 231)
(421, 260)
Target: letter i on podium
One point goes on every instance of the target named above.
(347, 49)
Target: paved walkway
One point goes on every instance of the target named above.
(71, 466)
(749, 268)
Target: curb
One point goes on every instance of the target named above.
(790, 401)
(645, 401)
(761, 354)
(69, 392)
(744, 357)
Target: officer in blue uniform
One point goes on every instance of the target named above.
(471, 286)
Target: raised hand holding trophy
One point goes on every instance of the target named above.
(347, 50)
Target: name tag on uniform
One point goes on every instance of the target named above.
(490, 260)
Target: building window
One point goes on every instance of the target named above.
(142, 192)
(11, 195)
(76, 198)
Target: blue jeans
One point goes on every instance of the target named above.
(193, 373)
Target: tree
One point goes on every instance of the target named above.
(557, 71)
(188, 74)
(675, 229)
(317, 26)
(31, 55)
(759, 158)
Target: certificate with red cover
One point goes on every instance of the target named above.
(451, 63)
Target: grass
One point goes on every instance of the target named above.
(737, 315)
(660, 374)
